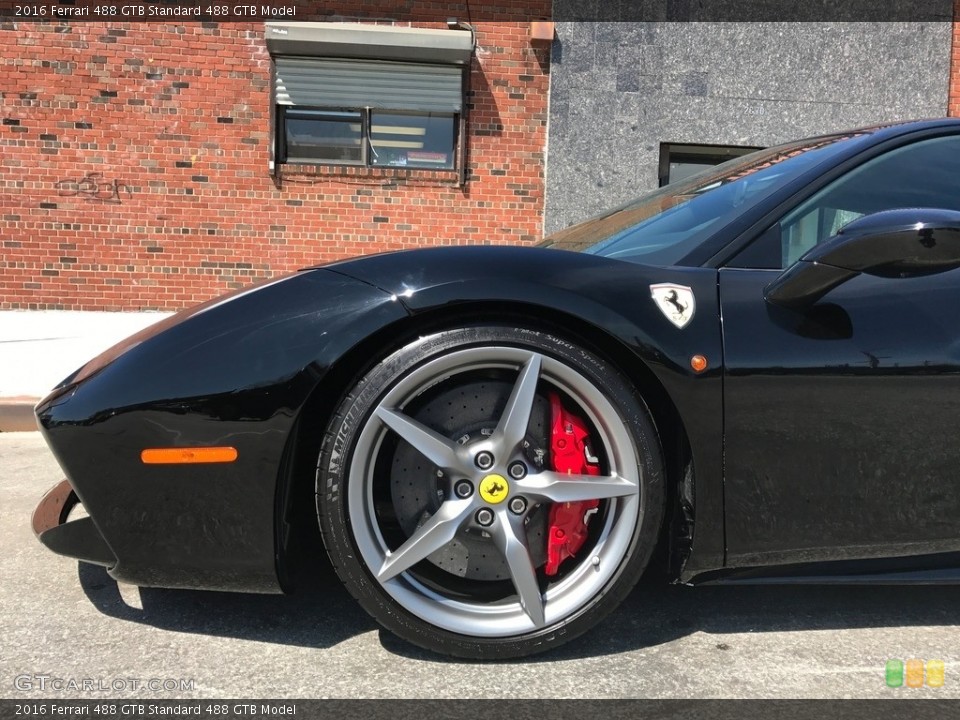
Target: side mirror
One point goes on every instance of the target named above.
(906, 242)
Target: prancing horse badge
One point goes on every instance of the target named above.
(675, 302)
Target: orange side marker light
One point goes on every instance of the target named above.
(698, 363)
(186, 456)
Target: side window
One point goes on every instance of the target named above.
(800, 232)
(923, 174)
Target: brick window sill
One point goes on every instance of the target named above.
(307, 173)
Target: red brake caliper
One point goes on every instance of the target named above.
(567, 529)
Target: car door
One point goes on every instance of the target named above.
(842, 421)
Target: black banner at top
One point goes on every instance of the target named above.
(754, 10)
(474, 11)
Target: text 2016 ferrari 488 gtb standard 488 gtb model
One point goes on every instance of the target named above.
(755, 370)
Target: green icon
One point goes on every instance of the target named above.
(894, 673)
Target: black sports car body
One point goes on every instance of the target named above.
(754, 372)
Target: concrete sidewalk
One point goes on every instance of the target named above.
(39, 348)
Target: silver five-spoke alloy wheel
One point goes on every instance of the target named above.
(486, 491)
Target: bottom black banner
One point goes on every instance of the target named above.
(484, 709)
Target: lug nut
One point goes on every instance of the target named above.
(485, 517)
(463, 489)
(518, 505)
(484, 460)
(517, 470)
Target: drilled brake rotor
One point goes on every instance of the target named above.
(465, 413)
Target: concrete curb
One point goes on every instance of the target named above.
(16, 414)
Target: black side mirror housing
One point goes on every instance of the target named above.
(906, 242)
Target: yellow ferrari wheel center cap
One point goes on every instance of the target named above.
(494, 489)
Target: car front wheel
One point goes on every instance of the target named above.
(490, 492)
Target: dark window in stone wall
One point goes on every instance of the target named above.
(679, 161)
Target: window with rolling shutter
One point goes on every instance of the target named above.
(392, 97)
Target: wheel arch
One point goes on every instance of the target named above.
(297, 527)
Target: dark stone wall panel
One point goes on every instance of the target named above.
(619, 89)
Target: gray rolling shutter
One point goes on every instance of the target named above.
(369, 42)
(334, 83)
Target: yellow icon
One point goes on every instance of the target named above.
(935, 673)
(914, 673)
(494, 488)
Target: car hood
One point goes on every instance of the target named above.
(480, 271)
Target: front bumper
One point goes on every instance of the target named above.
(79, 538)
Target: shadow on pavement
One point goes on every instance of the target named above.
(654, 615)
(322, 614)
(319, 614)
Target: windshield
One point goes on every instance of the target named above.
(664, 226)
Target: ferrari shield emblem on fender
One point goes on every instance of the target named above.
(675, 302)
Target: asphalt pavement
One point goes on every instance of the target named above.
(68, 624)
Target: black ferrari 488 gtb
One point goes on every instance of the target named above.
(754, 371)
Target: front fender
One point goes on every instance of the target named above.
(233, 372)
(612, 296)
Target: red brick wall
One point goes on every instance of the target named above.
(171, 122)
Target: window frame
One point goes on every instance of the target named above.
(278, 157)
(455, 137)
(282, 151)
(366, 140)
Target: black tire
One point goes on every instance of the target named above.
(386, 509)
